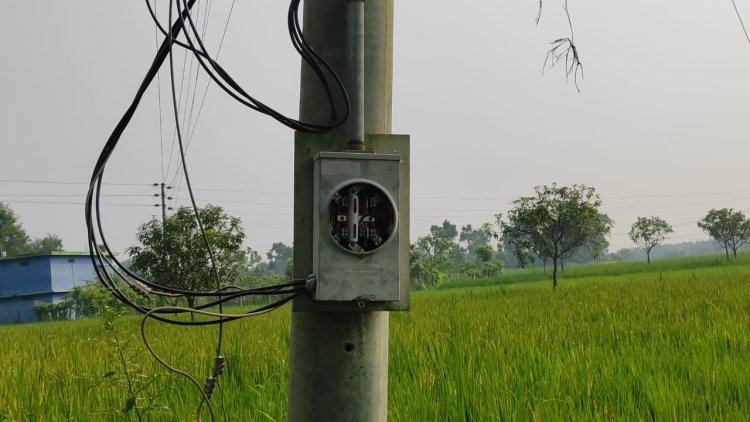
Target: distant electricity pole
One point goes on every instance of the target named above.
(164, 198)
(339, 350)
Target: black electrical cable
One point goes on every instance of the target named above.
(268, 291)
(94, 192)
(260, 106)
(178, 26)
(102, 256)
(319, 66)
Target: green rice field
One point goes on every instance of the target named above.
(669, 341)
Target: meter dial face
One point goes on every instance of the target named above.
(361, 217)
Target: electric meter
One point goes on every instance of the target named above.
(361, 217)
(355, 236)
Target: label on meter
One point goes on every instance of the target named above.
(361, 217)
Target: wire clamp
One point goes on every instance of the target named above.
(219, 365)
(208, 387)
(310, 282)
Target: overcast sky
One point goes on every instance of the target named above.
(661, 125)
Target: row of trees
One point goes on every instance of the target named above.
(729, 227)
(557, 224)
(14, 240)
(560, 222)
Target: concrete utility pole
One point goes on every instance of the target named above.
(339, 354)
(164, 198)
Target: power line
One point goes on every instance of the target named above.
(177, 179)
(76, 203)
(71, 195)
(741, 22)
(242, 191)
(271, 204)
(57, 182)
(416, 197)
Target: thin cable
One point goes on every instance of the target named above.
(177, 180)
(227, 83)
(158, 94)
(78, 203)
(73, 195)
(205, 399)
(204, 395)
(207, 243)
(55, 182)
(741, 22)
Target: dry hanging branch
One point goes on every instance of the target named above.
(564, 50)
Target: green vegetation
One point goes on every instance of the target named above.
(554, 223)
(730, 228)
(14, 240)
(626, 341)
(443, 252)
(174, 253)
(648, 232)
(602, 271)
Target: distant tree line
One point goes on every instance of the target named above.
(554, 226)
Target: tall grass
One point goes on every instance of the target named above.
(662, 344)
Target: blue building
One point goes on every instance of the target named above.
(40, 277)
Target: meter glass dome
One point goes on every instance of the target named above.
(361, 217)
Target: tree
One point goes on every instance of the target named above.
(648, 232)
(433, 256)
(440, 244)
(15, 241)
(728, 227)
(555, 222)
(489, 265)
(253, 272)
(474, 240)
(278, 257)
(485, 253)
(174, 253)
(591, 249)
(47, 244)
(13, 238)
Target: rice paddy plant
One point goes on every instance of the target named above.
(662, 344)
(650, 346)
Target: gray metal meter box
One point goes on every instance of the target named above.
(355, 226)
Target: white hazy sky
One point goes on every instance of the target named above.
(661, 126)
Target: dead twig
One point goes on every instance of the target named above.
(564, 50)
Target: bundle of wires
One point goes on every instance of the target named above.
(113, 274)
